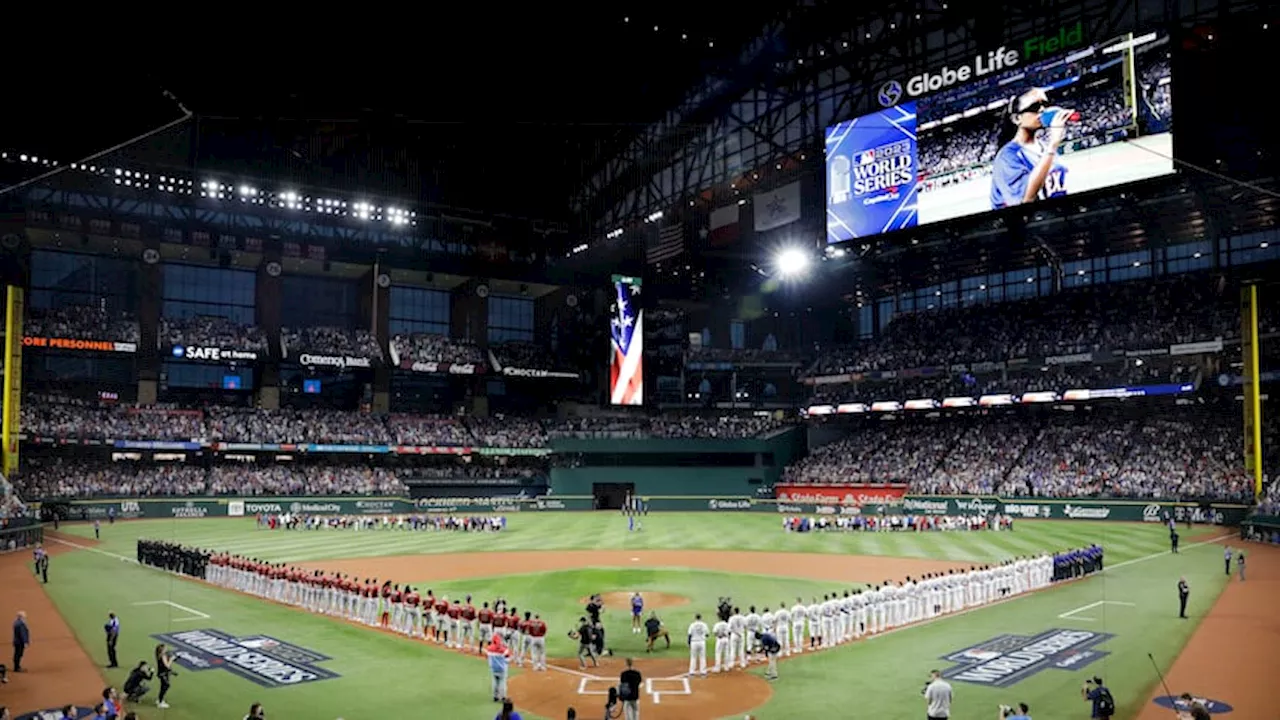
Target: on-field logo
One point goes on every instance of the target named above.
(257, 658)
(1076, 512)
(1215, 707)
(1008, 659)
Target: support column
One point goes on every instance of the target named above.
(375, 299)
(150, 304)
(268, 288)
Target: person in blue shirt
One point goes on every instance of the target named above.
(771, 647)
(1025, 167)
(112, 628)
(1094, 691)
(508, 712)
(637, 610)
(1014, 713)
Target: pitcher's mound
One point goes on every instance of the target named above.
(652, 600)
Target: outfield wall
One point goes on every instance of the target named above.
(1029, 508)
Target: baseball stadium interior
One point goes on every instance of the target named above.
(912, 265)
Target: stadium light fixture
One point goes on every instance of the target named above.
(791, 262)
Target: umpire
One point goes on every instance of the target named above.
(1184, 592)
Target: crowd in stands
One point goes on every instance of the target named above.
(1104, 317)
(424, 347)
(44, 477)
(525, 355)
(1153, 458)
(61, 417)
(211, 331)
(81, 322)
(329, 341)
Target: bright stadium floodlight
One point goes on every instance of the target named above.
(791, 262)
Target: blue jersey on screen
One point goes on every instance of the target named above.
(1011, 171)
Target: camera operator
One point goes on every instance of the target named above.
(629, 684)
(256, 712)
(725, 609)
(1104, 706)
(136, 686)
(585, 635)
(937, 695)
(1018, 712)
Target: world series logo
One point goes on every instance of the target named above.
(1009, 659)
(260, 659)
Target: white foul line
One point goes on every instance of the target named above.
(195, 614)
(1071, 614)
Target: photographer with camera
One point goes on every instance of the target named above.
(629, 684)
(1104, 706)
(136, 686)
(937, 696)
(1014, 713)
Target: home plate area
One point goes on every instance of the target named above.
(668, 693)
(654, 687)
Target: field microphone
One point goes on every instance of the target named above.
(1173, 701)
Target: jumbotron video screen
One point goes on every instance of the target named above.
(626, 349)
(1098, 117)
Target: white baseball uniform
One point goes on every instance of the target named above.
(723, 658)
(753, 627)
(782, 620)
(698, 648)
(798, 613)
(737, 650)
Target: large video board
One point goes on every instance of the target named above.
(1098, 117)
(626, 351)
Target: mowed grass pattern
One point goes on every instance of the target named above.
(388, 676)
(665, 531)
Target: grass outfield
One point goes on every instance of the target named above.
(383, 675)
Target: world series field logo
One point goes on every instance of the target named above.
(260, 659)
(1009, 659)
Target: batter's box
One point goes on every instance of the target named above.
(657, 687)
(594, 686)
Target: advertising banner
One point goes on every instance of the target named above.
(198, 353)
(857, 495)
(54, 343)
(441, 368)
(338, 362)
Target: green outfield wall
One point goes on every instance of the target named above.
(1025, 508)
(671, 467)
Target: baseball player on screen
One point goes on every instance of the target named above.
(1025, 167)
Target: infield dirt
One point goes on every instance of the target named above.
(564, 685)
(1229, 656)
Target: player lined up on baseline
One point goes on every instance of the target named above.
(303, 521)
(401, 608)
(839, 618)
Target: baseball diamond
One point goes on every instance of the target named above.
(550, 563)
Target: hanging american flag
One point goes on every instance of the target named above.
(626, 362)
(667, 244)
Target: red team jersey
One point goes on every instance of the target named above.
(513, 622)
(442, 607)
(486, 616)
(455, 611)
(537, 628)
(413, 599)
(468, 613)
